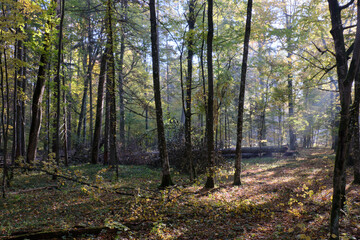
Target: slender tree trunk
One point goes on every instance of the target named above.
(21, 115)
(355, 109)
(121, 79)
(15, 111)
(56, 144)
(99, 110)
(107, 127)
(210, 181)
(356, 156)
(166, 178)
(237, 180)
(203, 76)
(188, 130)
(89, 72)
(292, 136)
(5, 114)
(110, 84)
(66, 145)
(36, 103)
(48, 103)
(289, 27)
(345, 79)
(68, 98)
(82, 116)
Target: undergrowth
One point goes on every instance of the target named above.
(281, 198)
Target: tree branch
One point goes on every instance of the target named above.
(347, 5)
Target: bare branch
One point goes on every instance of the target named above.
(351, 26)
(347, 5)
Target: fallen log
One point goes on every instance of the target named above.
(257, 150)
(243, 155)
(61, 234)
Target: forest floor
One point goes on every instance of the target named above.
(280, 198)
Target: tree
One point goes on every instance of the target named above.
(99, 110)
(345, 79)
(56, 144)
(124, 6)
(210, 182)
(5, 113)
(166, 178)
(356, 138)
(239, 131)
(39, 89)
(110, 85)
(190, 45)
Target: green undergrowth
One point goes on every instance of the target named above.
(280, 198)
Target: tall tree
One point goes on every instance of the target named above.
(345, 79)
(356, 138)
(166, 178)
(5, 114)
(110, 85)
(56, 144)
(289, 18)
(99, 110)
(124, 6)
(210, 181)
(39, 89)
(237, 180)
(190, 42)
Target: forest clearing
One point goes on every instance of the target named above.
(281, 198)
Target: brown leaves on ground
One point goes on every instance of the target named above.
(281, 198)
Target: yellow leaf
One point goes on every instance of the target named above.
(333, 235)
(290, 230)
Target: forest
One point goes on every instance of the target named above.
(183, 119)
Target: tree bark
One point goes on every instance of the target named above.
(345, 79)
(5, 114)
(166, 178)
(188, 145)
(89, 73)
(355, 117)
(82, 117)
(56, 144)
(37, 98)
(239, 130)
(210, 181)
(124, 5)
(99, 110)
(110, 84)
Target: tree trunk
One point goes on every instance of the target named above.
(66, 144)
(36, 103)
(210, 181)
(188, 144)
(107, 127)
(5, 125)
(166, 178)
(289, 27)
(110, 84)
(99, 110)
(124, 4)
(345, 79)
(237, 180)
(82, 115)
(56, 143)
(15, 112)
(356, 151)
(89, 73)
(292, 136)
